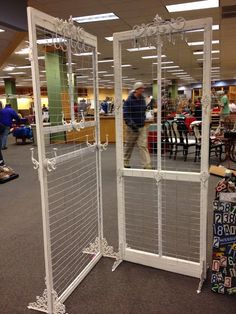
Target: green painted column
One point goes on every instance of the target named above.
(57, 84)
(173, 89)
(10, 89)
(57, 88)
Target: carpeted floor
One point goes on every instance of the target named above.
(131, 289)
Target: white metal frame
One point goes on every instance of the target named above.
(158, 260)
(50, 302)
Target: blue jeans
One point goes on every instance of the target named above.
(4, 136)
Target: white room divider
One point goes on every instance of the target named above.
(69, 161)
(158, 226)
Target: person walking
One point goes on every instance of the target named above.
(134, 115)
(7, 115)
(225, 111)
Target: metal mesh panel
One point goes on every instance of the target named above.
(181, 219)
(73, 217)
(69, 132)
(141, 214)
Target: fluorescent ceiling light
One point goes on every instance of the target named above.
(104, 80)
(153, 57)
(108, 75)
(8, 68)
(82, 76)
(123, 65)
(201, 52)
(27, 80)
(43, 71)
(211, 59)
(214, 68)
(170, 67)
(109, 38)
(104, 61)
(164, 62)
(84, 69)
(85, 54)
(24, 67)
(96, 18)
(16, 73)
(3, 77)
(215, 27)
(23, 51)
(2, 30)
(198, 43)
(129, 79)
(141, 48)
(190, 6)
(178, 70)
(72, 63)
(50, 41)
(100, 72)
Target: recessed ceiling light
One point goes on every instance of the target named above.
(201, 52)
(141, 49)
(153, 57)
(104, 61)
(96, 18)
(190, 6)
(198, 43)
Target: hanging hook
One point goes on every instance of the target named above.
(34, 161)
(105, 145)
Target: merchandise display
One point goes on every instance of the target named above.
(223, 278)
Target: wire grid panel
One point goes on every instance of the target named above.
(141, 215)
(73, 217)
(163, 226)
(181, 220)
(65, 68)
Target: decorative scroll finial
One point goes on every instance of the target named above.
(69, 34)
(158, 27)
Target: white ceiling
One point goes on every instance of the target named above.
(135, 12)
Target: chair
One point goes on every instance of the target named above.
(167, 138)
(181, 139)
(215, 144)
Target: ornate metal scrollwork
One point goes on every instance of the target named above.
(158, 27)
(107, 250)
(69, 34)
(41, 304)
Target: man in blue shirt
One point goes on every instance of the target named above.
(7, 115)
(134, 115)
